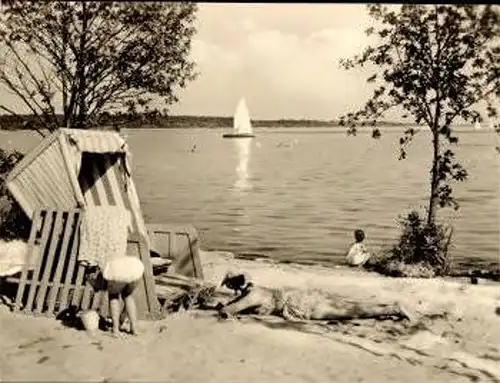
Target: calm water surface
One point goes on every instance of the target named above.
(297, 194)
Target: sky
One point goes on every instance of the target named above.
(283, 58)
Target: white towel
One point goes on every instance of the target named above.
(103, 234)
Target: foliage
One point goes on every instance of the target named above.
(422, 250)
(439, 63)
(92, 59)
(13, 221)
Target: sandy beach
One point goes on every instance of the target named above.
(457, 337)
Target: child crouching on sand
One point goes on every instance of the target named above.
(357, 254)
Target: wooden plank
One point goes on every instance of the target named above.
(135, 207)
(54, 242)
(71, 266)
(153, 306)
(165, 228)
(49, 218)
(172, 244)
(87, 293)
(68, 162)
(50, 284)
(36, 221)
(77, 296)
(68, 232)
(194, 250)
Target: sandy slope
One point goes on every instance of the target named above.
(461, 342)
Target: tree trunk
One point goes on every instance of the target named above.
(81, 71)
(433, 200)
(65, 122)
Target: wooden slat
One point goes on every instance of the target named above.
(79, 281)
(54, 242)
(153, 310)
(37, 219)
(36, 272)
(172, 245)
(68, 162)
(68, 233)
(50, 284)
(87, 294)
(135, 208)
(194, 250)
(71, 266)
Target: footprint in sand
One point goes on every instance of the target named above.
(34, 343)
(43, 359)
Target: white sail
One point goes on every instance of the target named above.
(477, 126)
(241, 121)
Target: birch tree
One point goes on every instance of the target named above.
(440, 64)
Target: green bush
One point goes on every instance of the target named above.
(13, 222)
(421, 251)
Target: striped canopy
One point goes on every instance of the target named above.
(77, 168)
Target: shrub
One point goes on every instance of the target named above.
(13, 222)
(421, 251)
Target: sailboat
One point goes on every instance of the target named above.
(242, 127)
(477, 126)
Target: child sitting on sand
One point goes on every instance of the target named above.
(357, 254)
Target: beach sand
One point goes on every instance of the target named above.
(457, 339)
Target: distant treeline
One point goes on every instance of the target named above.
(8, 122)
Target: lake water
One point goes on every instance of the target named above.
(297, 194)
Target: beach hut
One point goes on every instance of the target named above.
(74, 168)
(68, 171)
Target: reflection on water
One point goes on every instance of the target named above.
(243, 148)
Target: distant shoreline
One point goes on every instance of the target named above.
(8, 122)
(12, 123)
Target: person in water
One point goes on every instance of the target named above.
(300, 304)
(357, 254)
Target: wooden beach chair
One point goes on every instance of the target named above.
(53, 280)
(180, 244)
